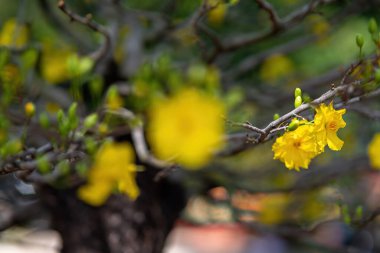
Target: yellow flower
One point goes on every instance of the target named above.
(187, 128)
(296, 148)
(30, 109)
(113, 169)
(13, 34)
(217, 14)
(275, 68)
(53, 63)
(11, 77)
(113, 100)
(319, 26)
(374, 151)
(327, 122)
(95, 194)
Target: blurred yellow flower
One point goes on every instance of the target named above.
(54, 64)
(327, 122)
(319, 26)
(11, 77)
(187, 128)
(374, 151)
(113, 99)
(275, 68)
(113, 169)
(217, 14)
(13, 34)
(296, 148)
(29, 109)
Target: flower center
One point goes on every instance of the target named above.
(332, 125)
(296, 144)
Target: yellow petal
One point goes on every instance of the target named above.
(334, 142)
(95, 194)
(374, 151)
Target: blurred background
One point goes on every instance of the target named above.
(243, 201)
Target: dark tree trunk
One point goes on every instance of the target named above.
(120, 226)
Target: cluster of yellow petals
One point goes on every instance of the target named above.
(327, 122)
(187, 128)
(113, 170)
(297, 148)
(13, 34)
(374, 151)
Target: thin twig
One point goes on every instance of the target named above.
(90, 23)
(278, 25)
(275, 19)
(139, 141)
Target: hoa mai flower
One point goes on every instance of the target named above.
(327, 122)
(374, 151)
(113, 169)
(13, 34)
(297, 148)
(187, 128)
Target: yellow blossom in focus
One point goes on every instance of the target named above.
(187, 128)
(113, 169)
(327, 122)
(275, 68)
(374, 151)
(296, 148)
(13, 34)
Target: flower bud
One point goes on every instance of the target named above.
(276, 116)
(72, 112)
(294, 124)
(43, 165)
(372, 26)
(297, 92)
(297, 101)
(29, 109)
(90, 121)
(359, 40)
(60, 116)
(103, 128)
(306, 98)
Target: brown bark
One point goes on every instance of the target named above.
(120, 226)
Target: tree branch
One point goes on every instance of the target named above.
(275, 19)
(87, 21)
(278, 25)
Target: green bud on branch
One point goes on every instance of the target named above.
(372, 26)
(297, 101)
(294, 124)
(359, 40)
(297, 92)
(90, 121)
